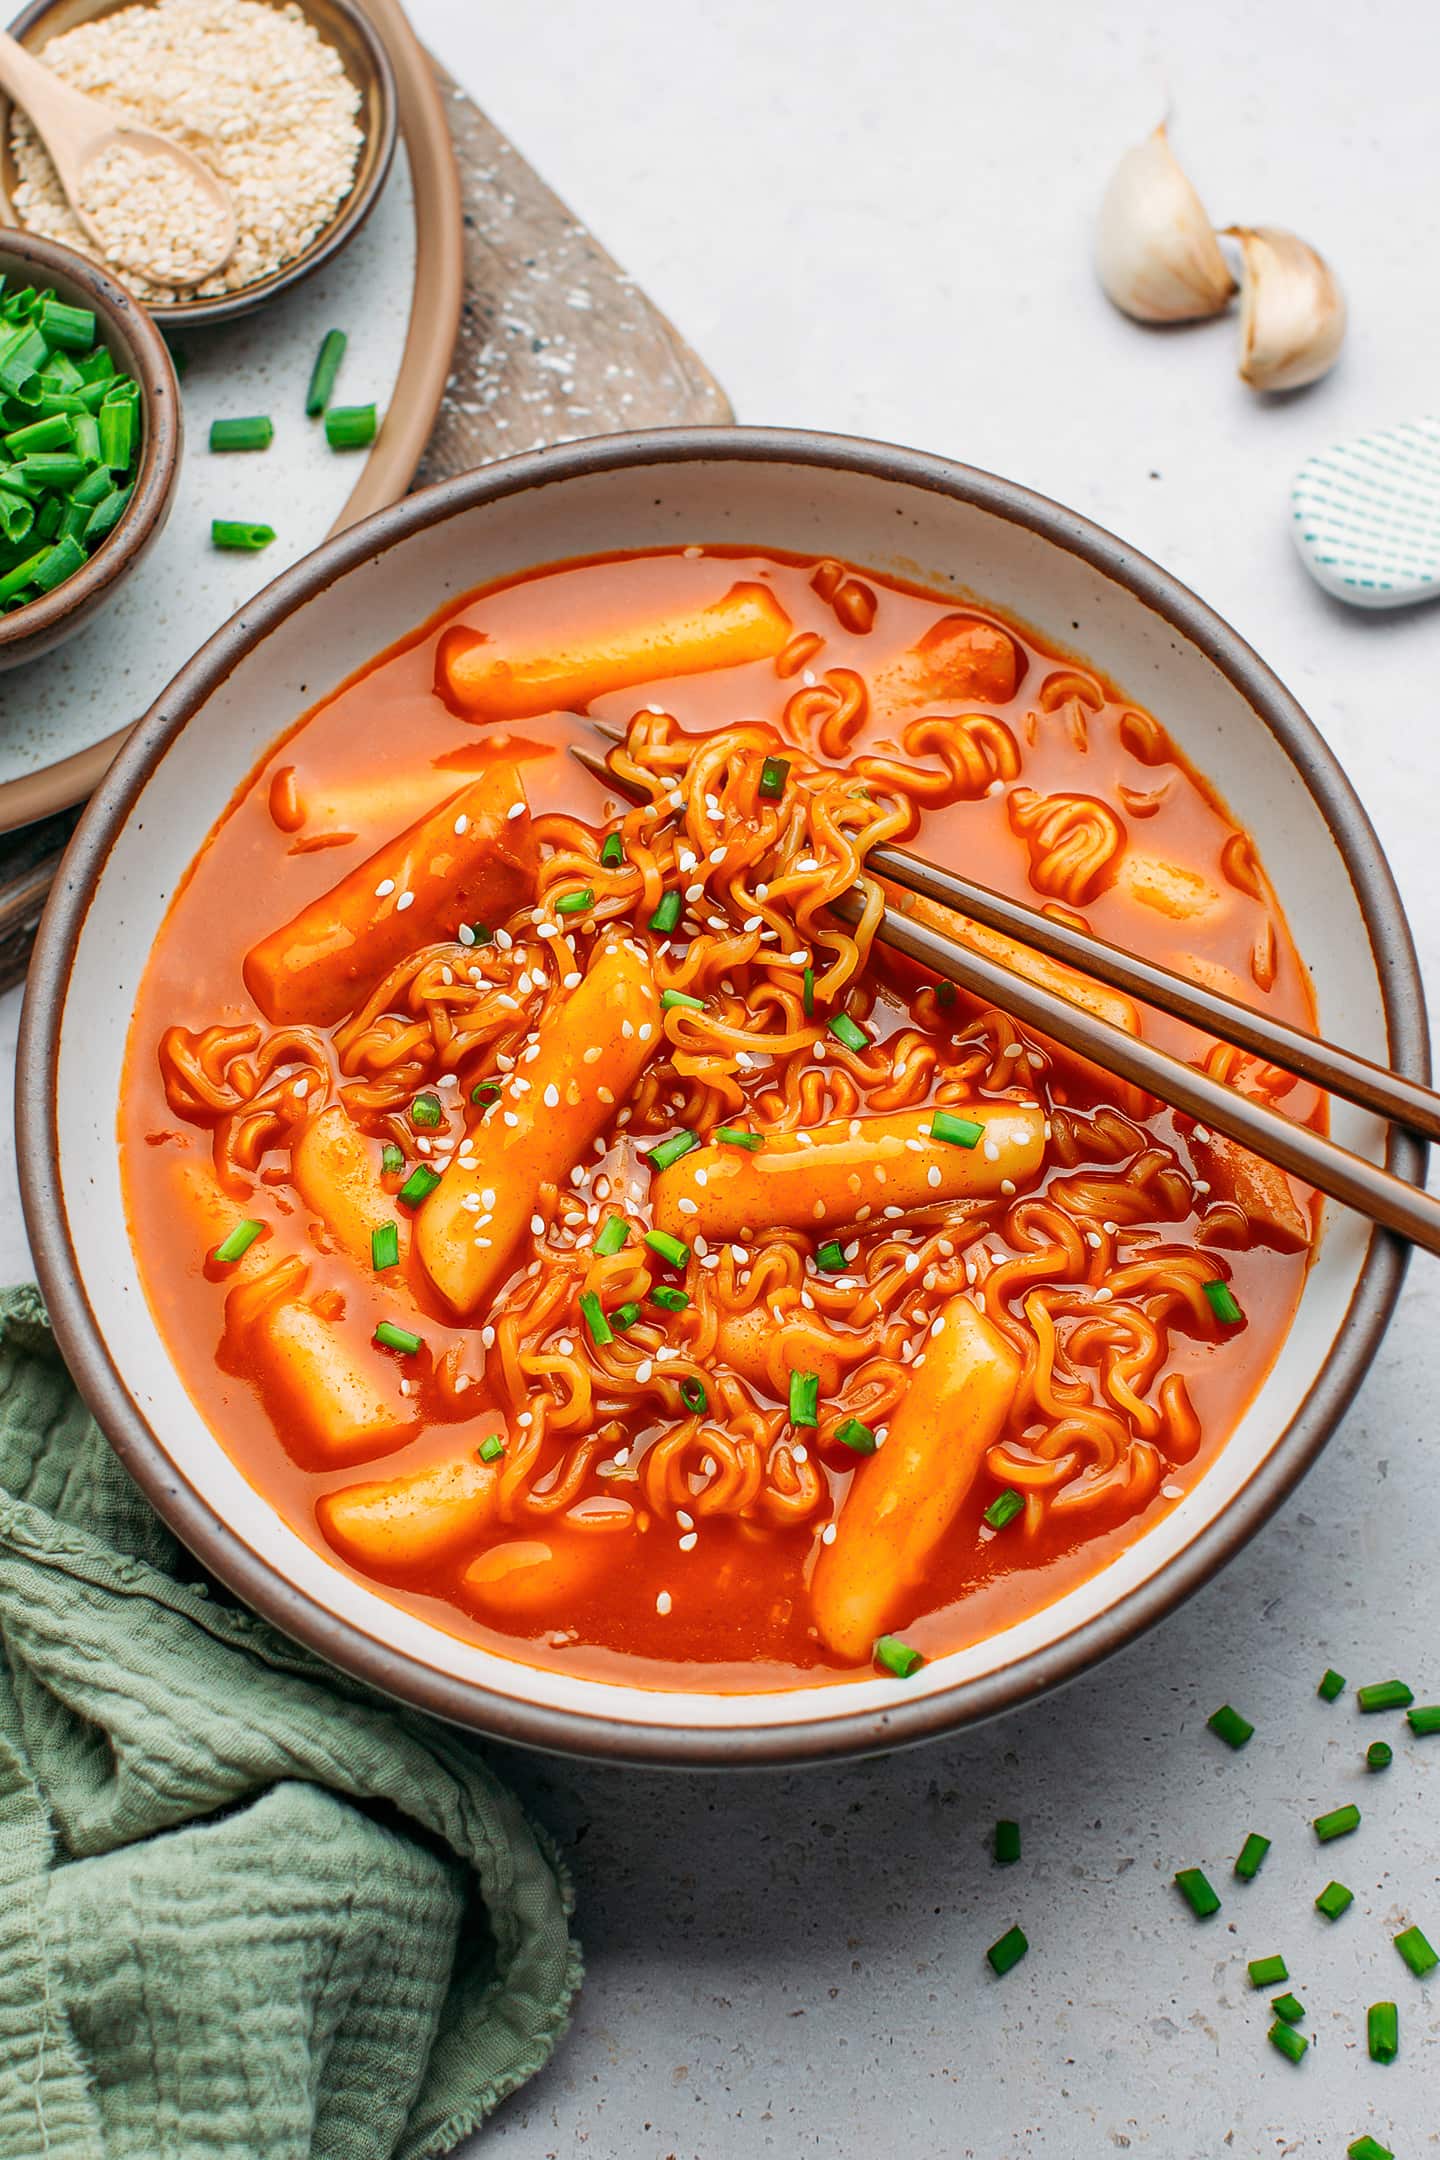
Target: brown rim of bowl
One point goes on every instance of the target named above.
(130, 329)
(376, 155)
(841, 1733)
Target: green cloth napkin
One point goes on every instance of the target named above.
(248, 1909)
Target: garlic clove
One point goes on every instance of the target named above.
(1156, 253)
(1292, 312)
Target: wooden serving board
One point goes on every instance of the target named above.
(555, 343)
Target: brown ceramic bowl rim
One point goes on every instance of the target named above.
(224, 307)
(129, 324)
(607, 1736)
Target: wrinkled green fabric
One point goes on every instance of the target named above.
(248, 1910)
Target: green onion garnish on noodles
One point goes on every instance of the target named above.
(1379, 1755)
(736, 1136)
(671, 1150)
(1416, 1952)
(1223, 1304)
(392, 1160)
(693, 1395)
(1195, 1887)
(773, 774)
(807, 991)
(324, 372)
(668, 1299)
(1228, 1725)
(1007, 1843)
(491, 1448)
(477, 933)
(681, 1001)
(1003, 1509)
(350, 427)
(238, 1243)
(1008, 1951)
(804, 1398)
(1332, 1684)
(945, 993)
(1252, 1852)
(1385, 1695)
(593, 1315)
(1338, 1823)
(956, 1131)
(421, 1182)
(624, 1316)
(669, 1248)
(391, 1337)
(1425, 1720)
(831, 1257)
(256, 431)
(576, 903)
(902, 1659)
(667, 914)
(1288, 2007)
(425, 1111)
(1287, 2041)
(486, 1091)
(844, 1029)
(240, 538)
(612, 1235)
(384, 1246)
(1268, 1972)
(856, 1435)
(1334, 1899)
(1382, 2031)
(612, 854)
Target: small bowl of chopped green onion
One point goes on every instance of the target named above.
(90, 436)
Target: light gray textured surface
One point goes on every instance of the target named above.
(878, 220)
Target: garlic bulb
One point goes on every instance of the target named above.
(1292, 312)
(1155, 251)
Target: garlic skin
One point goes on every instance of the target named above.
(1292, 312)
(1155, 250)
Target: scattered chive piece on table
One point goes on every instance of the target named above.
(773, 774)
(1008, 1952)
(807, 992)
(1007, 1842)
(1288, 2007)
(1382, 2027)
(831, 1257)
(244, 539)
(385, 1246)
(1379, 1755)
(680, 1000)
(1223, 1303)
(897, 1657)
(594, 1318)
(492, 1447)
(1228, 1725)
(956, 1131)
(1196, 1889)
(667, 914)
(238, 1243)
(1003, 1509)
(1252, 1852)
(391, 1337)
(350, 427)
(426, 1111)
(1424, 1720)
(1416, 1951)
(421, 1182)
(1366, 2148)
(1338, 1823)
(1291, 2044)
(671, 1150)
(256, 431)
(856, 1435)
(669, 1248)
(736, 1136)
(804, 1398)
(1385, 1695)
(392, 1159)
(1332, 1684)
(614, 1232)
(1334, 1899)
(1268, 1972)
(576, 903)
(694, 1397)
(669, 1300)
(624, 1316)
(612, 854)
(845, 1031)
(324, 372)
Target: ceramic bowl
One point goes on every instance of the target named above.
(137, 349)
(894, 511)
(341, 24)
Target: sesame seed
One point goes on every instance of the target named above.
(686, 1205)
(690, 1540)
(932, 1175)
(551, 1097)
(465, 934)
(1007, 1185)
(662, 1603)
(537, 1224)
(406, 899)
(827, 1535)
(516, 810)
(644, 1369)
(384, 889)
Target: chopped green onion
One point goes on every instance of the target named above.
(255, 432)
(1332, 1684)
(51, 469)
(25, 573)
(1291, 2044)
(1198, 1892)
(1228, 1725)
(95, 488)
(426, 1111)
(71, 328)
(1268, 1972)
(1382, 2030)
(945, 993)
(65, 558)
(1379, 1755)
(957, 1131)
(671, 1150)
(804, 1398)
(773, 774)
(612, 1235)
(486, 1091)
(1003, 1509)
(1288, 2007)
(902, 1659)
(669, 1300)
(350, 427)
(17, 515)
(807, 992)
(612, 854)
(576, 903)
(324, 372)
(669, 1248)
(241, 1238)
(667, 914)
(681, 1001)
(55, 432)
(243, 539)
(384, 1246)
(593, 1315)
(1338, 1823)
(844, 1029)
(392, 1160)
(831, 1257)
(1425, 1720)
(1252, 1852)
(391, 1337)
(117, 434)
(1416, 1952)
(736, 1136)
(856, 1435)
(480, 934)
(491, 1448)
(1366, 2148)
(693, 1395)
(624, 1316)
(1008, 1951)
(421, 1182)
(1334, 1899)
(1385, 1695)
(1222, 1303)
(1007, 1842)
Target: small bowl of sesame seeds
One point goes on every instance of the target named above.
(291, 103)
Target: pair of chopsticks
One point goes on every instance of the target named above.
(1309, 1155)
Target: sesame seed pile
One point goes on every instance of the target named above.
(251, 88)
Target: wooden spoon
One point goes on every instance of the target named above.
(80, 132)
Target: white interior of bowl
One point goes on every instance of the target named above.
(888, 525)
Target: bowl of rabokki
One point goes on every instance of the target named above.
(556, 1261)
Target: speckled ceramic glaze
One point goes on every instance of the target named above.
(894, 511)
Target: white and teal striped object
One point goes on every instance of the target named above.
(1366, 516)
